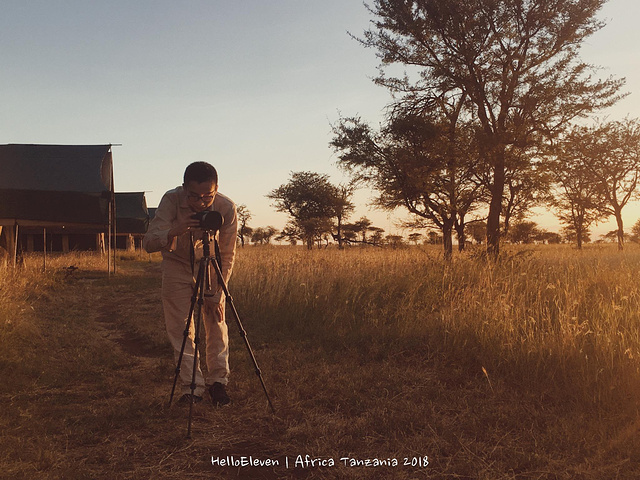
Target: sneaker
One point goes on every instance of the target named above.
(218, 394)
(186, 399)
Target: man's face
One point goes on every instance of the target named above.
(200, 195)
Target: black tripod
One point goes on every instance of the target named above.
(203, 282)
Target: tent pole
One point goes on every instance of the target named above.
(113, 218)
(15, 246)
(109, 244)
(44, 248)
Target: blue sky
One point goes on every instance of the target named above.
(251, 86)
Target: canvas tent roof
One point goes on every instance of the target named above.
(53, 185)
(132, 215)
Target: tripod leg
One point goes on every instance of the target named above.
(185, 337)
(243, 333)
(184, 343)
(200, 286)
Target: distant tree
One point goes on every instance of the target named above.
(312, 203)
(376, 236)
(612, 236)
(244, 215)
(291, 233)
(416, 163)
(362, 226)
(478, 231)
(434, 238)
(577, 199)
(569, 234)
(262, 235)
(350, 233)
(524, 232)
(610, 152)
(394, 241)
(527, 185)
(635, 232)
(549, 237)
(415, 237)
(516, 61)
(343, 207)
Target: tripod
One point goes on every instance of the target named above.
(203, 283)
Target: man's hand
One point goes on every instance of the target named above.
(183, 226)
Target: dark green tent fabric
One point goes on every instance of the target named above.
(132, 215)
(55, 184)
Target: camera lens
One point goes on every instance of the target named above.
(209, 220)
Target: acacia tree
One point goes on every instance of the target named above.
(516, 60)
(356, 232)
(244, 215)
(527, 185)
(610, 152)
(263, 235)
(525, 232)
(312, 202)
(343, 207)
(635, 232)
(414, 163)
(577, 198)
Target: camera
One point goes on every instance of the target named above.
(209, 220)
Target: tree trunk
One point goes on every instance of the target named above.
(462, 238)
(620, 229)
(447, 238)
(340, 243)
(579, 234)
(495, 207)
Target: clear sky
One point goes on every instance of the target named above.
(251, 86)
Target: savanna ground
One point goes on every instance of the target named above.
(523, 369)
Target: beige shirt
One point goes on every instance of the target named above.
(174, 206)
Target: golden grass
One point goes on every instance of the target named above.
(527, 368)
(548, 313)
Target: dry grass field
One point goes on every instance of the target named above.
(523, 369)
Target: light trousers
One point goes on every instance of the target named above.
(177, 294)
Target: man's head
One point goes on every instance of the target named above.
(200, 184)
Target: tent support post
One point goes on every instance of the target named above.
(44, 249)
(15, 246)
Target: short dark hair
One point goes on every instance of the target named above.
(200, 172)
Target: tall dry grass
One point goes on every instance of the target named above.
(365, 352)
(553, 320)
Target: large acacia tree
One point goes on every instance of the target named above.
(516, 61)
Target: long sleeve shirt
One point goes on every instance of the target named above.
(173, 207)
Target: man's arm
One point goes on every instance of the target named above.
(167, 225)
(227, 242)
(157, 237)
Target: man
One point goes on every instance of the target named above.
(177, 235)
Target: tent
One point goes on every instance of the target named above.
(132, 221)
(54, 187)
(132, 217)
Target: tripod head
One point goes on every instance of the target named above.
(210, 223)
